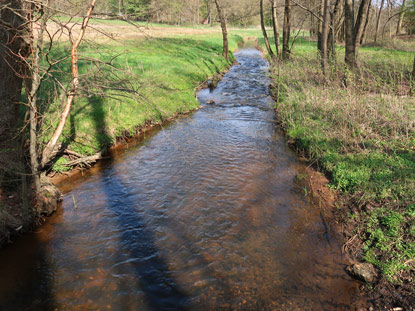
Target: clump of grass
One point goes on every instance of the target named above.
(363, 136)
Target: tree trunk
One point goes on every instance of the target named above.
(360, 23)
(320, 26)
(334, 13)
(363, 38)
(286, 31)
(312, 29)
(275, 28)
(225, 52)
(209, 12)
(354, 30)
(264, 31)
(14, 48)
(350, 56)
(324, 36)
(378, 20)
(413, 71)
(401, 16)
(32, 91)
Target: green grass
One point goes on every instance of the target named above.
(362, 136)
(162, 73)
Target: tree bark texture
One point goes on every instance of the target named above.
(276, 28)
(320, 25)
(286, 31)
(363, 38)
(325, 35)
(378, 20)
(14, 48)
(354, 30)
(32, 91)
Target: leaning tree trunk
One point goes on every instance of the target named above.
(378, 20)
(401, 16)
(264, 31)
(286, 31)
(360, 23)
(363, 38)
(275, 28)
(14, 48)
(225, 52)
(50, 147)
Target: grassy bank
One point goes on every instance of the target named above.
(135, 78)
(363, 137)
(160, 74)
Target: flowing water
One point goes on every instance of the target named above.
(205, 214)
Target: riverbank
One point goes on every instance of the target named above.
(362, 137)
(149, 82)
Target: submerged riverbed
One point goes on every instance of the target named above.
(205, 214)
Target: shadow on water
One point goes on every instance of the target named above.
(26, 284)
(150, 269)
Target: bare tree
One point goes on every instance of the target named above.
(324, 35)
(276, 28)
(401, 16)
(33, 85)
(286, 31)
(51, 145)
(225, 52)
(363, 38)
(378, 19)
(264, 31)
(354, 29)
(209, 12)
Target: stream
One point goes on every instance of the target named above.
(204, 214)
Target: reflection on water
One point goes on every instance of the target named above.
(203, 215)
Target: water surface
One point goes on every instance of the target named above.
(205, 214)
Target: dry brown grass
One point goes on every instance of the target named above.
(106, 31)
